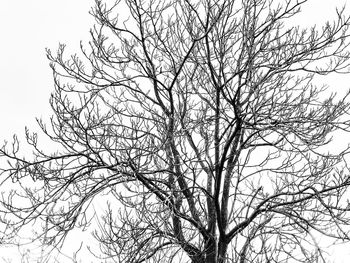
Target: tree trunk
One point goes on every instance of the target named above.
(210, 251)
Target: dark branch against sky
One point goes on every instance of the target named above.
(26, 77)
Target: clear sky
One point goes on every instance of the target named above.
(28, 27)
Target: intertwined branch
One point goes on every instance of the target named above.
(201, 120)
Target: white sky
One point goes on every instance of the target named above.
(28, 27)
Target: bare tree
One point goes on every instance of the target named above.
(201, 123)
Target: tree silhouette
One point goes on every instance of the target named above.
(202, 124)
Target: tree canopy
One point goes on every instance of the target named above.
(203, 126)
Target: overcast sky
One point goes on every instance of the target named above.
(29, 26)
